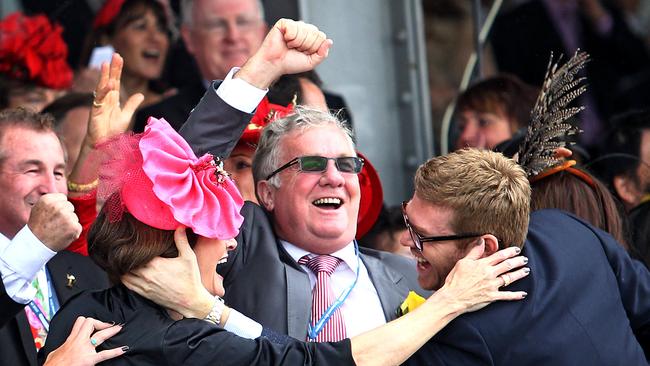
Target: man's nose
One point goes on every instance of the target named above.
(332, 176)
(49, 183)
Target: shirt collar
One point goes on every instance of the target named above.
(346, 254)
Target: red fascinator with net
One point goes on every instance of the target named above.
(107, 13)
(156, 177)
(265, 113)
(33, 50)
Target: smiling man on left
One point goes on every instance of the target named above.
(37, 223)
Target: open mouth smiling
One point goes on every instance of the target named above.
(328, 203)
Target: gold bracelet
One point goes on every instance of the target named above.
(77, 187)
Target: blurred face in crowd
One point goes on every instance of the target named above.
(316, 211)
(223, 34)
(209, 254)
(32, 97)
(32, 165)
(143, 43)
(239, 165)
(72, 130)
(632, 188)
(436, 259)
(483, 130)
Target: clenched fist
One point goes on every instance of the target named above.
(54, 222)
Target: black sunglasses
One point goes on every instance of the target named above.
(317, 164)
(419, 239)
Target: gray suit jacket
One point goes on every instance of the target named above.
(262, 281)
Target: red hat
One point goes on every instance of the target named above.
(107, 13)
(265, 113)
(32, 49)
(372, 197)
(158, 179)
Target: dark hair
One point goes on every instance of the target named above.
(505, 94)
(128, 12)
(592, 203)
(640, 232)
(620, 154)
(126, 244)
(61, 106)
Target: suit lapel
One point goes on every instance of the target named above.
(26, 338)
(298, 296)
(387, 284)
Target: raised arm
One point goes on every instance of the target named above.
(216, 123)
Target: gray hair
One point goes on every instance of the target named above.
(186, 11)
(267, 155)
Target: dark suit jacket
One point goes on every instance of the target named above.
(8, 307)
(16, 342)
(262, 281)
(588, 303)
(156, 339)
(524, 38)
(174, 109)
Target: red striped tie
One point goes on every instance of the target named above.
(322, 297)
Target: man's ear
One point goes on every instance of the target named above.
(266, 194)
(627, 190)
(491, 245)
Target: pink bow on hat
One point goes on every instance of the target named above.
(163, 184)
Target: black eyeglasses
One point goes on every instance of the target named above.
(317, 164)
(419, 239)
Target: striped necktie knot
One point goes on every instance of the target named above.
(321, 263)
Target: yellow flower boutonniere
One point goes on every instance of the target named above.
(412, 301)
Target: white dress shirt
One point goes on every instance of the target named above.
(362, 309)
(21, 259)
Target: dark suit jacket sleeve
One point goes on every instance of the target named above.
(8, 307)
(634, 285)
(214, 126)
(459, 343)
(193, 342)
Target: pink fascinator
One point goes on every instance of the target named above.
(156, 177)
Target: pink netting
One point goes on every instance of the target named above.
(156, 177)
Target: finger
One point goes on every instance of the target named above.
(102, 335)
(116, 70)
(288, 28)
(76, 327)
(509, 264)
(109, 353)
(501, 255)
(183, 246)
(308, 43)
(324, 49)
(103, 78)
(515, 276)
(319, 38)
(90, 325)
(510, 295)
(301, 35)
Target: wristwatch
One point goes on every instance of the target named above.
(215, 314)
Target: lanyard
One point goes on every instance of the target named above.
(52, 302)
(318, 327)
